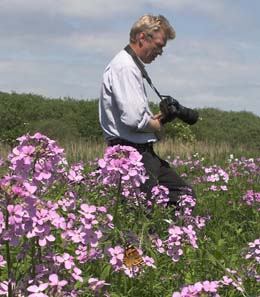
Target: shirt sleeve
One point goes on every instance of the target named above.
(130, 97)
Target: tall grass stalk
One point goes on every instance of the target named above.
(91, 150)
(4, 150)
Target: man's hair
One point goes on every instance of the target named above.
(149, 24)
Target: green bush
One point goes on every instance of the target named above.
(68, 119)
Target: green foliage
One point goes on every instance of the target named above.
(60, 119)
(69, 119)
(231, 127)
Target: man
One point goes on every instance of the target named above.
(124, 112)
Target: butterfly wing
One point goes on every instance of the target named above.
(132, 257)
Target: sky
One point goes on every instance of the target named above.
(60, 48)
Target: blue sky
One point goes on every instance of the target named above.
(59, 48)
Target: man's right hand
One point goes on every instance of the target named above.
(154, 124)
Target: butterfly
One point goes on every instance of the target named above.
(132, 257)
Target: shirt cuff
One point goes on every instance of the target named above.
(144, 122)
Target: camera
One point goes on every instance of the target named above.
(172, 109)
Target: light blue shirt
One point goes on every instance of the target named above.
(123, 105)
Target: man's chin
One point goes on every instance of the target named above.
(149, 61)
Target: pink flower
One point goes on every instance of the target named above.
(67, 260)
(37, 290)
(15, 214)
(160, 195)
(210, 286)
(4, 288)
(2, 261)
(76, 172)
(2, 162)
(95, 285)
(117, 255)
(76, 273)
(2, 222)
(122, 164)
(149, 261)
(157, 242)
(54, 281)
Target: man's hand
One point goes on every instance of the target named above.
(155, 125)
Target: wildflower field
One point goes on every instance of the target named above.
(87, 230)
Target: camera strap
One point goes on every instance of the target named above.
(141, 67)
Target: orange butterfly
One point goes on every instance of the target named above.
(132, 257)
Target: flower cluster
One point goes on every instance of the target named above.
(122, 165)
(159, 196)
(245, 167)
(199, 289)
(211, 288)
(96, 286)
(179, 237)
(253, 251)
(38, 160)
(56, 233)
(252, 198)
(232, 279)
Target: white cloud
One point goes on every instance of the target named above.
(209, 73)
(105, 43)
(59, 48)
(76, 8)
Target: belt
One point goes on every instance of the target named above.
(139, 146)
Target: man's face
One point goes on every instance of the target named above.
(152, 46)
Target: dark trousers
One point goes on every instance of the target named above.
(159, 172)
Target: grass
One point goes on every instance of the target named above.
(94, 149)
(214, 152)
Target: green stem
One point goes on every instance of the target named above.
(33, 258)
(8, 256)
(9, 268)
(118, 200)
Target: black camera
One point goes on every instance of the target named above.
(172, 109)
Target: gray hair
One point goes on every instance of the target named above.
(149, 24)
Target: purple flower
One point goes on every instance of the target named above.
(148, 261)
(122, 164)
(2, 261)
(252, 198)
(2, 222)
(198, 289)
(95, 285)
(4, 288)
(158, 243)
(160, 195)
(2, 162)
(54, 282)
(15, 214)
(76, 173)
(179, 237)
(117, 255)
(67, 260)
(37, 290)
(234, 280)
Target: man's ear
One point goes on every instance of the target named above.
(141, 38)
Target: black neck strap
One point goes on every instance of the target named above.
(141, 67)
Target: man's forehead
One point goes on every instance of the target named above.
(160, 37)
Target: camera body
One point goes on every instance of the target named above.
(172, 109)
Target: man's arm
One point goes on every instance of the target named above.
(155, 126)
